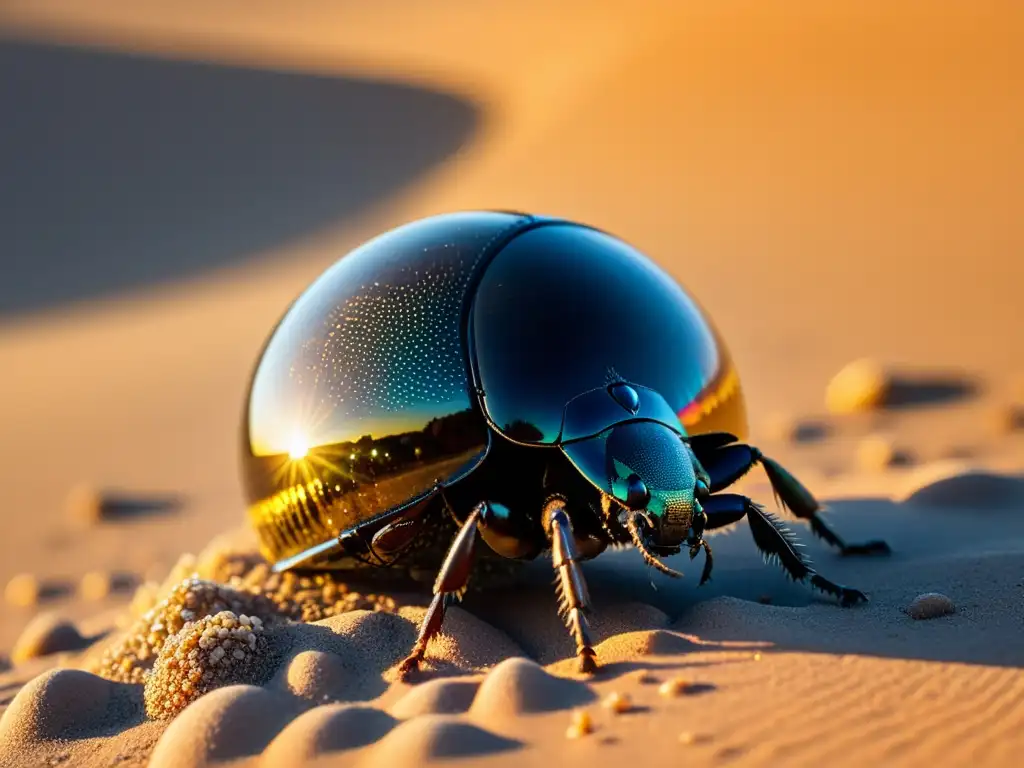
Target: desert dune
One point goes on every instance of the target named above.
(833, 182)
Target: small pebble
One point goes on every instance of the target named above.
(643, 677)
(85, 505)
(95, 586)
(789, 429)
(145, 598)
(689, 738)
(756, 656)
(22, 590)
(46, 634)
(617, 702)
(674, 687)
(580, 726)
(1017, 388)
(1004, 419)
(781, 427)
(876, 452)
(930, 605)
(862, 385)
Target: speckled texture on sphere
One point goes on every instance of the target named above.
(377, 335)
(205, 654)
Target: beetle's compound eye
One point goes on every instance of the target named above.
(628, 488)
(637, 495)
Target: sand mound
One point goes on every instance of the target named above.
(436, 697)
(326, 729)
(229, 722)
(519, 686)
(432, 737)
(951, 484)
(630, 645)
(466, 643)
(47, 633)
(531, 619)
(68, 704)
(354, 655)
(352, 651)
(726, 616)
(314, 675)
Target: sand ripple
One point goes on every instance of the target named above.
(518, 686)
(329, 728)
(227, 723)
(429, 737)
(436, 697)
(68, 703)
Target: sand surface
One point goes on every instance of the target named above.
(831, 181)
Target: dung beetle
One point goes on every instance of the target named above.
(531, 383)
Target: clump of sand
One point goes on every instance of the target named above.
(239, 582)
(193, 599)
(208, 653)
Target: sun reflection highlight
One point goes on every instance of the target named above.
(298, 447)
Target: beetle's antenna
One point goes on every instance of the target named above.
(633, 523)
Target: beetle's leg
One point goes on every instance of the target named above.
(574, 599)
(775, 542)
(725, 464)
(451, 581)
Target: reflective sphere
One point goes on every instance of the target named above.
(390, 377)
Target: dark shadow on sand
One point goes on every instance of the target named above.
(916, 391)
(962, 536)
(121, 507)
(120, 171)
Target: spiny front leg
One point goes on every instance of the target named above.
(451, 581)
(727, 463)
(775, 542)
(574, 600)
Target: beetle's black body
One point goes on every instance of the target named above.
(532, 383)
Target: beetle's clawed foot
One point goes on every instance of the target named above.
(851, 597)
(875, 547)
(588, 662)
(709, 561)
(409, 668)
(847, 596)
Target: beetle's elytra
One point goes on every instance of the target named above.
(491, 386)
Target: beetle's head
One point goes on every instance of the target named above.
(652, 485)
